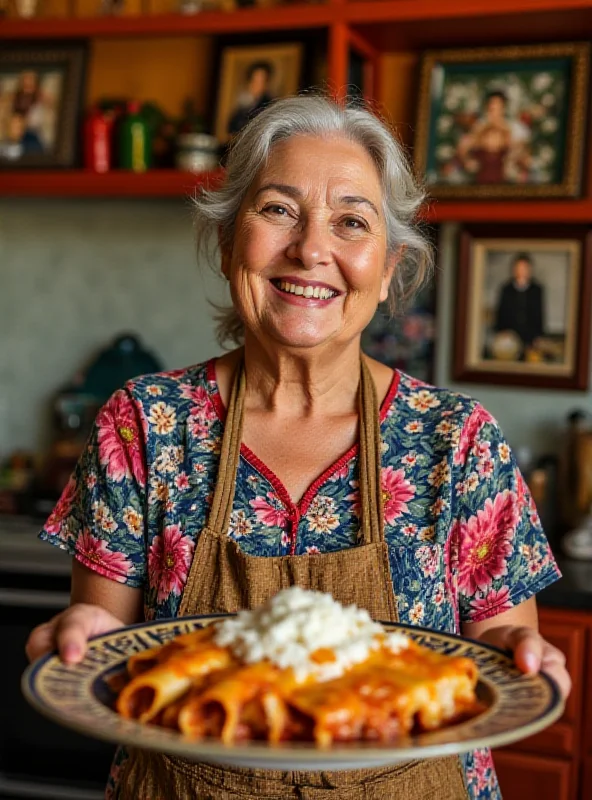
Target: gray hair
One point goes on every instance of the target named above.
(318, 115)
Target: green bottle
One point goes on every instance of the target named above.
(135, 150)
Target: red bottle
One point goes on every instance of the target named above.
(98, 133)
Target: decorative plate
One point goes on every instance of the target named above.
(79, 697)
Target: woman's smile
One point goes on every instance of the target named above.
(310, 294)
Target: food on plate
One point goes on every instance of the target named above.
(302, 667)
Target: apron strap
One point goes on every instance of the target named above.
(371, 500)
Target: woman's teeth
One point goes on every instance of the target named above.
(317, 292)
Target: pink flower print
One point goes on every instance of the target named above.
(182, 482)
(354, 498)
(495, 599)
(91, 481)
(471, 428)
(485, 467)
(312, 550)
(95, 554)
(522, 491)
(341, 473)
(428, 557)
(285, 539)
(203, 406)
(410, 530)
(169, 559)
(438, 595)
(396, 491)
(409, 459)
(486, 543)
(62, 508)
(482, 450)
(119, 439)
(272, 516)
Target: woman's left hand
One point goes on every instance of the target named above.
(531, 652)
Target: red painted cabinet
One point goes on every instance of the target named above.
(556, 764)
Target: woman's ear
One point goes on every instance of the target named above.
(389, 270)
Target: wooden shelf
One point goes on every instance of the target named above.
(206, 22)
(118, 183)
(556, 211)
(462, 16)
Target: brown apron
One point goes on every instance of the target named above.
(224, 579)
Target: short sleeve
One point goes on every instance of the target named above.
(499, 554)
(100, 517)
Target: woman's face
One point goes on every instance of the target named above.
(309, 264)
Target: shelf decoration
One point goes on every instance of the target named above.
(503, 122)
(250, 77)
(524, 295)
(40, 97)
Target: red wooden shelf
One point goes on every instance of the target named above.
(510, 211)
(174, 183)
(118, 183)
(472, 13)
(206, 22)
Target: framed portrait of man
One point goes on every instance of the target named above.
(503, 122)
(40, 102)
(251, 76)
(523, 306)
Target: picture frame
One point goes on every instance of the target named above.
(505, 122)
(251, 76)
(523, 306)
(40, 103)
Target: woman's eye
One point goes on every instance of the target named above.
(355, 223)
(273, 208)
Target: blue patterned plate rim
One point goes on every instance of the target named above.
(534, 702)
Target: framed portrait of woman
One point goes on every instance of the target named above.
(503, 122)
(40, 101)
(524, 297)
(251, 76)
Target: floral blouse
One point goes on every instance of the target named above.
(464, 537)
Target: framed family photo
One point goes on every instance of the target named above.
(524, 298)
(251, 76)
(40, 102)
(503, 122)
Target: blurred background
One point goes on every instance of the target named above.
(113, 113)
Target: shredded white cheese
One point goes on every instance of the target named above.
(296, 623)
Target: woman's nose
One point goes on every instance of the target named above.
(311, 244)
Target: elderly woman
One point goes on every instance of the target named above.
(294, 459)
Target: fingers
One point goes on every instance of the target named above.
(40, 640)
(527, 646)
(69, 632)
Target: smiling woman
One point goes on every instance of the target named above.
(296, 460)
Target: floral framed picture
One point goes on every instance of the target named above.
(251, 76)
(40, 102)
(503, 122)
(524, 296)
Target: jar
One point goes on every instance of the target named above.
(197, 152)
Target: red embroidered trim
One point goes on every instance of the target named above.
(295, 510)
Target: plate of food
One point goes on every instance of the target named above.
(301, 683)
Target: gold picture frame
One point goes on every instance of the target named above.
(524, 297)
(505, 122)
(250, 77)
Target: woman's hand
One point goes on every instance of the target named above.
(69, 632)
(531, 652)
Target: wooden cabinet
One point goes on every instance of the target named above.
(526, 777)
(556, 764)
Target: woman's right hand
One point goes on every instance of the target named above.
(69, 632)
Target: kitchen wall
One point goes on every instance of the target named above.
(75, 273)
